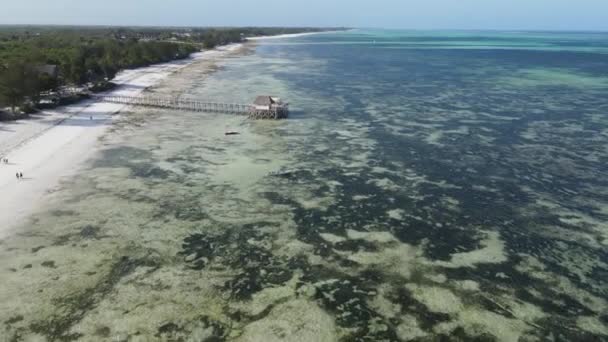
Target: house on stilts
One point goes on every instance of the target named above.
(269, 107)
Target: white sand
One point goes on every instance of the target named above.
(291, 35)
(54, 144)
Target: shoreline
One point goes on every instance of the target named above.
(54, 144)
(294, 35)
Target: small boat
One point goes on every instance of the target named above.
(231, 133)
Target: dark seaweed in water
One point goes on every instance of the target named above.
(215, 331)
(429, 220)
(149, 171)
(89, 232)
(447, 238)
(122, 156)
(138, 160)
(240, 248)
(72, 309)
(347, 298)
(186, 208)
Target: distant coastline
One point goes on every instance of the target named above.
(294, 35)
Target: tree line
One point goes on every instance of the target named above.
(93, 55)
(77, 62)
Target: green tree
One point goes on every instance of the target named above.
(13, 87)
(108, 67)
(47, 82)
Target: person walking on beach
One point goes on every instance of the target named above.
(17, 174)
(21, 175)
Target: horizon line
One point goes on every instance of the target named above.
(574, 30)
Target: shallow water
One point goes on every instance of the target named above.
(456, 192)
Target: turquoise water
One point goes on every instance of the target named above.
(427, 186)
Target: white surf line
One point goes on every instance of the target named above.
(293, 35)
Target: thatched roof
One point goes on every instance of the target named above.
(264, 101)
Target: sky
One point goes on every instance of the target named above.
(408, 14)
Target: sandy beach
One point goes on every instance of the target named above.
(51, 145)
(291, 35)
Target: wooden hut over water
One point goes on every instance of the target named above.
(269, 107)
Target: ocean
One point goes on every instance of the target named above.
(427, 186)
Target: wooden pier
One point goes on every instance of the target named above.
(189, 104)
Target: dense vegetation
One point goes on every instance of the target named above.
(93, 55)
